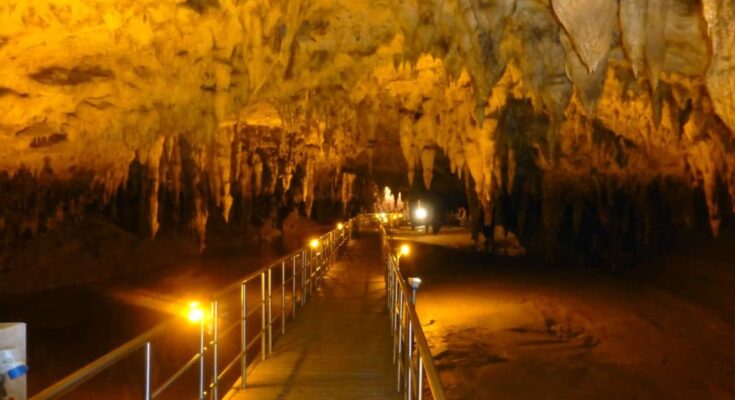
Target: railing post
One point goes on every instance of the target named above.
(400, 338)
(215, 350)
(311, 268)
(396, 296)
(244, 334)
(270, 311)
(420, 378)
(409, 359)
(148, 371)
(283, 297)
(293, 290)
(303, 277)
(263, 331)
(201, 359)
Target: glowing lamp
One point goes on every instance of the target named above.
(195, 314)
(314, 243)
(415, 282)
(340, 226)
(383, 217)
(405, 250)
(421, 213)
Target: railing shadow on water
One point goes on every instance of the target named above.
(180, 360)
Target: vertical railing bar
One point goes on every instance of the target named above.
(244, 335)
(215, 350)
(270, 311)
(400, 338)
(303, 277)
(311, 272)
(283, 297)
(409, 357)
(147, 371)
(293, 289)
(201, 359)
(263, 330)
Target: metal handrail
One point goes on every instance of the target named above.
(407, 332)
(331, 243)
(97, 366)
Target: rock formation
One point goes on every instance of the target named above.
(609, 123)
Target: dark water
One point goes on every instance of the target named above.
(69, 327)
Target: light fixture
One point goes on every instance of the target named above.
(314, 243)
(415, 282)
(340, 226)
(195, 313)
(383, 217)
(421, 213)
(405, 250)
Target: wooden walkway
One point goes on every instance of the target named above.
(339, 347)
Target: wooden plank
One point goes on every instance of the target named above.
(340, 345)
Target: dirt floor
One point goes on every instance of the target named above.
(513, 328)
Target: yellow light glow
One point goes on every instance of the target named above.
(382, 216)
(421, 213)
(195, 314)
(405, 250)
(340, 226)
(314, 243)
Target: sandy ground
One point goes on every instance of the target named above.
(512, 328)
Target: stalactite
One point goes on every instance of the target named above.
(633, 27)
(347, 192)
(222, 169)
(656, 39)
(153, 162)
(427, 165)
(257, 173)
(591, 37)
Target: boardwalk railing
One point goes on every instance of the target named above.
(299, 271)
(411, 352)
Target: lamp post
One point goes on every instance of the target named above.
(403, 251)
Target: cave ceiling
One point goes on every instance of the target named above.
(629, 90)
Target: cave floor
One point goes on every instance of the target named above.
(339, 346)
(514, 328)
